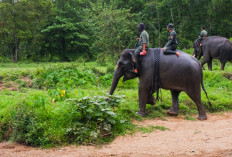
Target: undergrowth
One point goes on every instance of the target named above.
(64, 103)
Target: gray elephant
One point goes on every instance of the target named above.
(214, 47)
(183, 73)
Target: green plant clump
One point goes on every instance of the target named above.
(90, 120)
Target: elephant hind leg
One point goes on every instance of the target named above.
(173, 111)
(197, 99)
(210, 64)
(223, 63)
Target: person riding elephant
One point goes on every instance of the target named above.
(142, 46)
(171, 45)
(213, 47)
(203, 35)
(175, 74)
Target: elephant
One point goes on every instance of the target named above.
(213, 47)
(183, 73)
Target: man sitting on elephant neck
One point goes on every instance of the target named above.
(202, 36)
(170, 47)
(142, 46)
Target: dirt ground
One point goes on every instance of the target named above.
(210, 138)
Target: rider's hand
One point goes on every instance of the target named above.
(144, 52)
(163, 49)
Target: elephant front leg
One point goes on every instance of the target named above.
(173, 111)
(202, 63)
(143, 96)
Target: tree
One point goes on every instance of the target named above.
(20, 23)
(67, 35)
(114, 29)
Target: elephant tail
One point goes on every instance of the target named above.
(202, 85)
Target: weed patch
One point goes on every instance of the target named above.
(89, 120)
(151, 128)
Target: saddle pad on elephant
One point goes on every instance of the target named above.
(156, 71)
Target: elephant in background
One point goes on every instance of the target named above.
(214, 47)
(183, 73)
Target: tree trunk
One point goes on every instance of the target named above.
(16, 48)
(12, 54)
(159, 34)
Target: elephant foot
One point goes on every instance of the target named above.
(142, 114)
(172, 113)
(202, 117)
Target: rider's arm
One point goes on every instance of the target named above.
(170, 40)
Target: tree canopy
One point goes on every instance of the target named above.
(57, 30)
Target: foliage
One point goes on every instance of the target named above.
(56, 30)
(188, 117)
(37, 121)
(67, 35)
(21, 25)
(62, 77)
(151, 128)
(112, 29)
(96, 118)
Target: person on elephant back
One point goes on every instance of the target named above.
(202, 36)
(141, 46)
(171, 45)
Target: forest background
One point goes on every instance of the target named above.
(58, 30)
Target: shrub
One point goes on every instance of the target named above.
(65, 77)
(27, 128)
(96, 119)
(38, 122)
(184, 43)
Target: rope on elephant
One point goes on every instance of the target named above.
(156, 71)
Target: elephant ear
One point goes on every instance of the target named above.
(127, 56)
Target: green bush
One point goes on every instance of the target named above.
(27, 128)
(184, 43)
(37, 82)
(96, 119)
(37, 121)
(66, 77)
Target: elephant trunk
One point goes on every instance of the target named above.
(117, 76)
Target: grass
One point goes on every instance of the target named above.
(48, 116)
(151, 128)
(188, 117)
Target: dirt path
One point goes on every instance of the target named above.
(210, 138)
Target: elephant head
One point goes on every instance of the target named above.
(197, 53)
(123, 68)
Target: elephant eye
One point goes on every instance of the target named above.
(120, 63)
